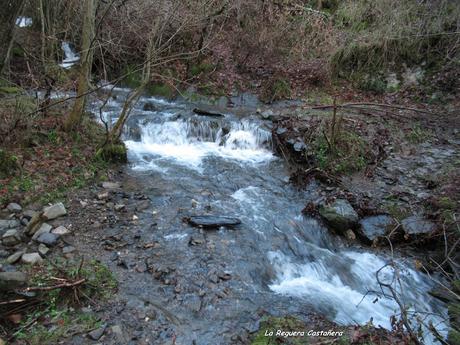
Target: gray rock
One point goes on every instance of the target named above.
(68, 250)
(13, 258)
(376, 227)
(48, 238)
(213, 221)
(61, 231)
(111, 185)
(43, 229)
(193, 303)
(13, 207)
(11, 238)
(43, 250)
(103, 196)
(340, 215)
(31, 258)
(29, 214)
(54, 211)
(12, 280)
(6, 224)
(416, 225)
(97, 333)
(119, 207)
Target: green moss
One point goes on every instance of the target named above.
(163, 90)
(275, 89)
(200, 68)
(8, 164)
(9, 90)
(133, 77)
(113, 153)
(348, 155)
(418, 135)
(272, 324)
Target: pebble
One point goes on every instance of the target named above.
(61, 230)
(68, 250)
(42, 249)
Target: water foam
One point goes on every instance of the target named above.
(190, 142)
(351, 296)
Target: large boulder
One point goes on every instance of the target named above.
(340, 215)
(375, 228)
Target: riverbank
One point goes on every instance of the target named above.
(135, 222)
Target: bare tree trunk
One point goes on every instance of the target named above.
(86, 63)
(116, 131)
(10, 9)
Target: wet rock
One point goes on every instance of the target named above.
(204, 112)
(374, 228)
(11, 238)
(350, 235)
(12, 280)
(193, 303)
(31, 258)
(43, 229)
(340, 215)
(149, 106)
(213, 221)
(54, 211)
(196, 240)
(4, 254)
(12, 259)
(61, 231)
(43, 250)
(48, 238)
(416, 225)
(13, 207)
(97, 333)
(143, 205)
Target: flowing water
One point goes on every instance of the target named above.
(280, 261)
(70, 56)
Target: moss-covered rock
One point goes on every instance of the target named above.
(113, 153)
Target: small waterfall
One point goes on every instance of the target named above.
(189, 141)
(24, 22)
(70, 56)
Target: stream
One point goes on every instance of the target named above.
(277, 260)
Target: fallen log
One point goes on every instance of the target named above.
(212, 221)
(203, 112)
